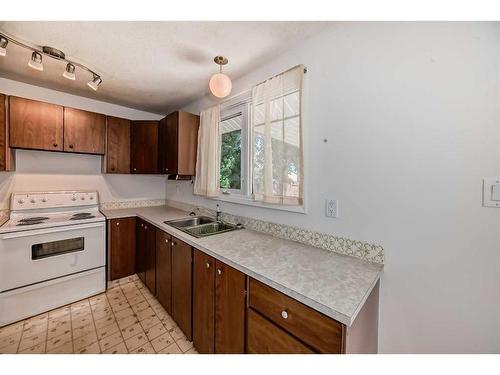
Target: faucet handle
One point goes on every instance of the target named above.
(192, 213)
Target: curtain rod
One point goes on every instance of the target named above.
(222, 106)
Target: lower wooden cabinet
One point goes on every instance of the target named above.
(218, 306)
(264, 337)
(182, 285)
(121, 235)
(145, 255)
(164, 269)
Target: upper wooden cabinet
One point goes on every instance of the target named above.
(84, 132)
(178, 140)
(35, 125)
(144, 147)
(117, 145)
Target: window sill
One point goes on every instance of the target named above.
(238, 199)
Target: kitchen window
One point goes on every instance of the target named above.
(261, 154)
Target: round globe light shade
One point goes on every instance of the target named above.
(220, 85)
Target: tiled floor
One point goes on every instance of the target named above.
(125, 319)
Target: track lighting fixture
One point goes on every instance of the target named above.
(3, 45)
(39, 51)
(69, 73)
(94, 84)
(36, 61)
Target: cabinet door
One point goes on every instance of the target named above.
(203, 302)
(170, 143)
(229, 309)
(122, 247)
(187, 143)
(150, 257)
(164, 270)
(84, 131)
(35, 125)
(140, 267)
(144, 147)
(182, 283)
(118, 145)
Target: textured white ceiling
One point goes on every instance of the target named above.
(152, 66)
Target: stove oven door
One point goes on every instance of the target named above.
(37, 255)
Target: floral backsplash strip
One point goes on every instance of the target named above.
(132, 204)
(340, 245)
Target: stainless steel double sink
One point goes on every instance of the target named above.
(201, 226)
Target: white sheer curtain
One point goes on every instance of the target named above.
(207, 180)
(277, 139)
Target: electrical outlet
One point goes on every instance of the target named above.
(332, 208)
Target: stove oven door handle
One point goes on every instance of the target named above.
(37, 232)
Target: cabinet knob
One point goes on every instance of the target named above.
(117, 224)
(135, 169)
(70, 146)
(55, 145)
(174, 243)
(208, 265)
(145, 227)
(284, 314)
(219, 271)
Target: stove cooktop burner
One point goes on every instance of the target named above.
(82, 214)
(28, 223)
(80, 217)
(30, 219)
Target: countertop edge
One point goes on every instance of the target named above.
(341, 317)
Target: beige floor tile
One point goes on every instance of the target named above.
(37, 349)
(55, 326)
(136, 341)
(104, 313)
(120, 306)
(60, 312)
(150, 322)
(111, 341)
(58, 341)
(161, 342)
(122, 314)
(144, 349)
(36, 320)
(127, 322)
(84, 330)
(184, 344)
(32, 341)
(59, 330)
(107, 330)
(39, 329)
(191, 351)
(100, 323)
(81, 321)
(132, 330)
(155, 331)
(99, 299)
(66, 348)
(90, 349)
(144, 314)
(113, 283)
(171, 349)
(136, 299)
(14, 338)
(140, 306)
(84, 311)
(11, 329)
(83, 304)
(84, 341)
(118, 349)
(176, 333)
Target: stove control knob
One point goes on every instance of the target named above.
(91, 197)
(73, 199)
(33, 201)
(44, 200)
(82, 198)
(20, 201)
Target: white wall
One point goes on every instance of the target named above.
(411, 112)
(39, 170)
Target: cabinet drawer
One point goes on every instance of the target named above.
(315, 329)
(264, 337)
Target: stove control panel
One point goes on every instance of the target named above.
(37, 200)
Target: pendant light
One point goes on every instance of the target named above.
(36, 61)
(220, 84)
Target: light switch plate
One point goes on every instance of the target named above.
(491, 192)
(332, 208)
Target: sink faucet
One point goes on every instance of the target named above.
(218, 213)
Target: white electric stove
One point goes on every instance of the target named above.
(52, 252)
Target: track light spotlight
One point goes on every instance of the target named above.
(94, 84)
(3, 45)
(36, 61)
(69, 73)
